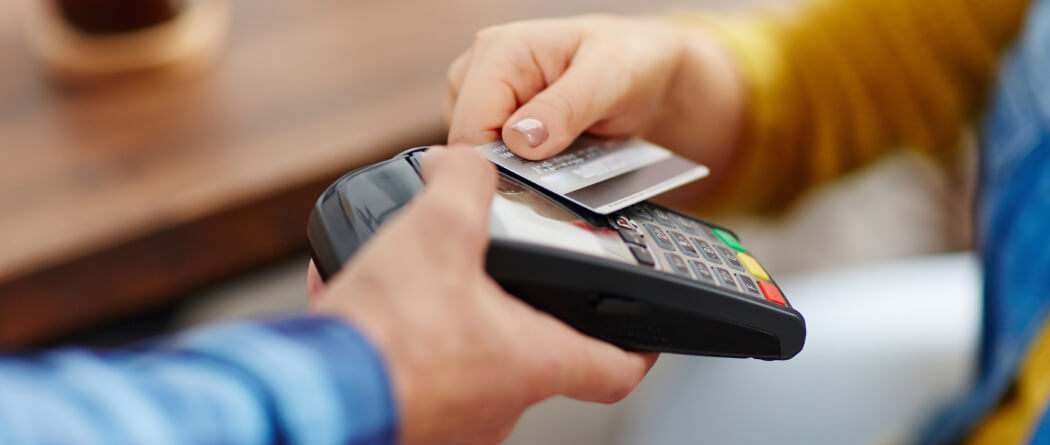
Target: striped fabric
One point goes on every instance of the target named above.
(303, 379)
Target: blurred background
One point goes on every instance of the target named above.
(158, 163)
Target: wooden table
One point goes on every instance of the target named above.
(126, 196)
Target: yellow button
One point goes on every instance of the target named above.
(752, 265)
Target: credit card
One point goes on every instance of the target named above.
(602, 175)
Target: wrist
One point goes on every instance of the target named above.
(702, 114)
(377, 329)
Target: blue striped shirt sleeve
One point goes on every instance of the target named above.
(303, 379)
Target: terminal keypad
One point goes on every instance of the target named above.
(688, 248)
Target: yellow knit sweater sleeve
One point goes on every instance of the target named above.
(842, 81)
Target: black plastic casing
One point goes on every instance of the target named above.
(635, 307)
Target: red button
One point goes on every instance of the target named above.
(772, 293)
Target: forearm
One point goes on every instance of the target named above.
(298, 380)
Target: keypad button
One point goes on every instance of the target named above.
(703, 273)
(772, 293)
(707, 250)
(731, 258)
(709, 232)
(678, 265)
(631, 236)
(689, 226)
(639, 211)
(660, 236)
(752, 265)
(663, 218)
(748, 284)
(725, 278)
(642, 255)
(683, 244)
(729, 239)
(627, 229)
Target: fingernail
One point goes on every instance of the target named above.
(533, 130)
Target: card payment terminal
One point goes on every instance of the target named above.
(645, 278)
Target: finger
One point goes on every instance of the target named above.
(456, 72)
(503, 73)
(570, 363)
(454, 205)
(447, 107)
(601, 372)
(582, 96)
(314, 284)
(446, 224)
(462, 171)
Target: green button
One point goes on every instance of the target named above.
(729, 239)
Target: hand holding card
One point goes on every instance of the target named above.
(602, 175)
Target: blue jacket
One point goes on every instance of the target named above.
(1013, 220)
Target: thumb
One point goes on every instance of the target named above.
(454, 205)
(552, 119)
(460, 173)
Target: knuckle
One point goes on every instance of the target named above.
(558, 102)
(493, 33)
(486, 35)
(457, 69)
